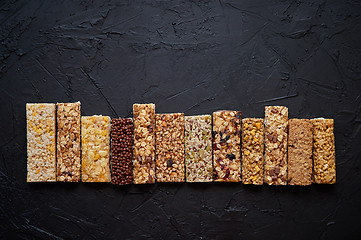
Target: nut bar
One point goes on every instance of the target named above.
(198, 148)
(122, 151)
(300, 152)
(144, 143)
(170, 147)
(95, 131)
(324, 168)
(41, 162)
(68, 142)
(276, 126)
(227, 146)
(252, 151)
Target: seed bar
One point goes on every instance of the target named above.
(122, 151)
(170, 147)
(276, 126)
(41, 162)
(68, 142)
(252, 151)
(227, 146)
(324, 167)
(198, 148)
(300, 152)
(144, 143)
(95, 148)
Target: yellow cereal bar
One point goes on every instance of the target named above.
(170, 147)
(95, 140)
(252, 151)
(324, 166)
(144, 143)
(198, 148)
(275, 162)
(227, 146)
(68, 142)
(40, 119)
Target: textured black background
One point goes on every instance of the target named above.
(194, 57)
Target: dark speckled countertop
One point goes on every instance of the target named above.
(185, 56)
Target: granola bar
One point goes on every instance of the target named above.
(300, 152)
(68, 142)
(122, 151)
(41, 162)
(252, 151)
(198, 148)
(276, 126)
(144, 143)
(324, 166)
(170, 147)
(227, 146)
(95, 148)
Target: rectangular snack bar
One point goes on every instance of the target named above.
(227, 146)
(122, 151)
(170, 147)
(68, 142)
(41, 162)
(300, 152)
(276, 127)
(144, 143)
(324, 166)
(95, 140)
(252, 151)
(198, 148)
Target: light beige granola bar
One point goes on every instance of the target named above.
(300, 152)
(324, 166)
(68, 142)
(144, 143)
(227, 146)
(198, 148)
(252, 151)
(95, 140)
(41, 163)
(170, 147)
(276, 127)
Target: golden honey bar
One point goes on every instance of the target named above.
(95, 142)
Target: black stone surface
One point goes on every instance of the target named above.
(185, 56)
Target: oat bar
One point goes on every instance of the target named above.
(41, 162)
(144, 143)
(276, 126)
(170, 147)
(227, 146)
(300, 152)
(198, 148)
(68, 142)
(122, 151)
(95, 139)
(252, 151)
(324, 168)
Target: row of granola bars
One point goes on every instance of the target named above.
(67, 147)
